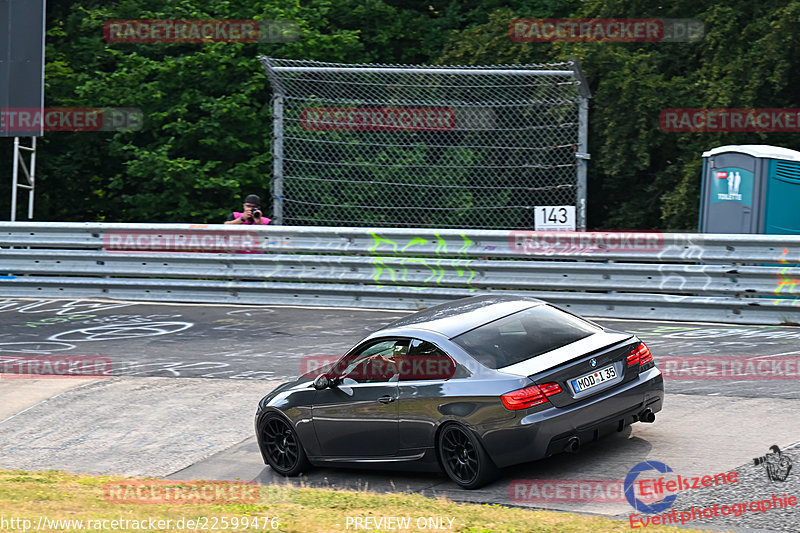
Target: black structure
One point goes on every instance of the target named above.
(21, 66)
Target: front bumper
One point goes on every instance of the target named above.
(539, 434)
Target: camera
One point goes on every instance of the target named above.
(256, 213)
(776, 464)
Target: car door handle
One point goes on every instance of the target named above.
(386, 399)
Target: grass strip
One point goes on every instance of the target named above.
(48, 500)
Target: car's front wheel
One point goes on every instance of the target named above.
(282, 447)
(464, 459)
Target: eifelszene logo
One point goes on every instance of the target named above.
(777, 464)
(660, 485)
(630, 481)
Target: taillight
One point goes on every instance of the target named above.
(640, 355)
(645, 355)
(529, 396)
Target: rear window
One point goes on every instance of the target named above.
(523, 335)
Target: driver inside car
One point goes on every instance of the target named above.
(382, 366)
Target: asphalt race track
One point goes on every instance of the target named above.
(185, 380)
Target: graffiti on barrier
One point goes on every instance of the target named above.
(689, 248)
(787, 283)
(389, 271)
(698, 280)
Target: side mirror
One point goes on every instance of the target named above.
(322, 382)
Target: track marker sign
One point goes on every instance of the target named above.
(554, 218)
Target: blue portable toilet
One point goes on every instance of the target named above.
(751, 188)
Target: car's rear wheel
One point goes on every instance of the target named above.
(464, 459)
(282, 447)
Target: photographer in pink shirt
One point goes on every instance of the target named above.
(251, 213)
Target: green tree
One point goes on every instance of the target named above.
(641, 176)
(207, 128)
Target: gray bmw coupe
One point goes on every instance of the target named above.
(467, 387)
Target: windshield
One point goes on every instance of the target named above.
(523, 335)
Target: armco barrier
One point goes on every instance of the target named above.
(647, 275)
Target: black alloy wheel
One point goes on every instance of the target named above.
(464, 459)
(282, 447)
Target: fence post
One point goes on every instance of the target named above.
(582, 151)
(277, 159)
(582, 155)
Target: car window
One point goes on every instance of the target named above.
(376, 362)
(523, 335)
(425, 361)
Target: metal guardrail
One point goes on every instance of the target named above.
(675, 276)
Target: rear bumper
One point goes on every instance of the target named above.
(537, 435)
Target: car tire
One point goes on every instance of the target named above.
(282, 447)
(464, 459)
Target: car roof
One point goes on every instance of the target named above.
(454, 318)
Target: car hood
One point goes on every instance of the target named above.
(559, 356)
(302, 382)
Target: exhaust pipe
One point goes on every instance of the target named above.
(572, 445)
(647, 416)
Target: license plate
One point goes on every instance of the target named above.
(594, 379)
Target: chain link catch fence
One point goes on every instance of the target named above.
(426, 146)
